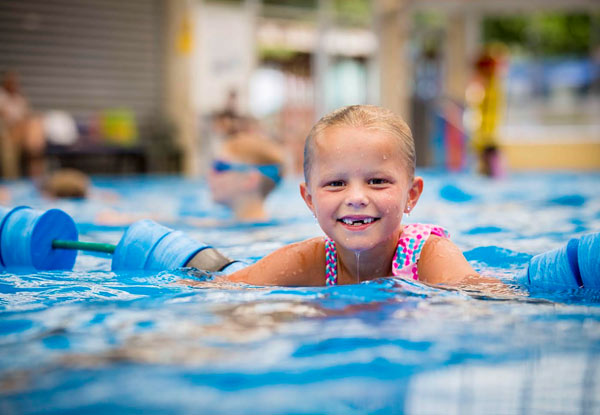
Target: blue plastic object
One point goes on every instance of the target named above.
(588, 258)
(136, 244)
(26, 237)
(151, 246)
(575, 265)
(555, 269)
(173, 251)
(4, 212)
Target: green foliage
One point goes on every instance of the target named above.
(509, 30)
(562, 34)
(353, 11)
(543, 34)
(301, 4)
(304, 4)
(276, 53)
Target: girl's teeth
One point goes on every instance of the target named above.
(357, 222)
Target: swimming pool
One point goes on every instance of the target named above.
(92, 341)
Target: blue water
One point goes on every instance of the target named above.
(92, 341)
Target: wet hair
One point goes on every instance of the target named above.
(370, 117)
(257, 150)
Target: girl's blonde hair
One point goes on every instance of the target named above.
(370, 117)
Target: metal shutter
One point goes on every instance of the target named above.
(83, 56)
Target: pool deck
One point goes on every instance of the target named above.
(553, 148)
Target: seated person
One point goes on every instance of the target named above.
(21, 132)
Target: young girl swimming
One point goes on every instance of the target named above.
(359, 164)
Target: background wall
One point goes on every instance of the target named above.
(85, 56)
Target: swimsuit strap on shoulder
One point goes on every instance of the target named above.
(410, 244)
(330, 262)
(407, 254)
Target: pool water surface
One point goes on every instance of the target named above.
(94, 341)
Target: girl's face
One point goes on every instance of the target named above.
(359, 187)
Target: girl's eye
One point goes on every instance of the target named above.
(336, 183)
(378, 181)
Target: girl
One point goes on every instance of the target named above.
(359, 164)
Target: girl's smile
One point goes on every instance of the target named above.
(356, 223)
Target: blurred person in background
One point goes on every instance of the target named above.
(484, 96)
(246, 169)
(65, 184)
(62, 183)
(21, 131)
(227, 122)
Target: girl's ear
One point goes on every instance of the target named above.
(414, 193)
(304, 192)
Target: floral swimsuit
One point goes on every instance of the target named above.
(407, 255)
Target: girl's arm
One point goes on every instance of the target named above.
(298, 264)
(441, 262)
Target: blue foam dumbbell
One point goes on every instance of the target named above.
(4, 211)
(588, 258)
(26, 237)
(150, 246)
(48, 241)
(575, 265)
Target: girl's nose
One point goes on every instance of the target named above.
(356, 196)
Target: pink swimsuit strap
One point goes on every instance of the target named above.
(408, 252)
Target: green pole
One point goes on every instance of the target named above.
(83, 246)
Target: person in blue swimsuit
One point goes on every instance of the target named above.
(359, 165)
(246, 169)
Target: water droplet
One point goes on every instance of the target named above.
(357, 253)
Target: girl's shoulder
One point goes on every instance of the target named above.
(443, 262)
(316, 245)
(297, 264)
(308, 249)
